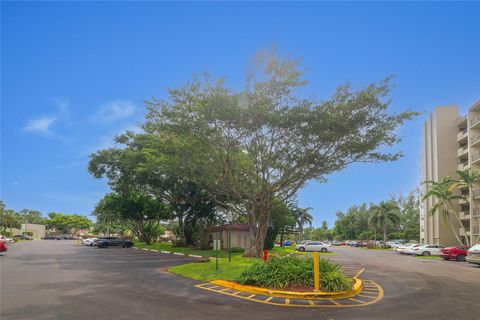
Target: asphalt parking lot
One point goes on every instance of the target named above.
(63, 280)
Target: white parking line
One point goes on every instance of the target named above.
(178, 254)
(165, 251)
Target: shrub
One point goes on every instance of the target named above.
(281, 273)
(237, 249)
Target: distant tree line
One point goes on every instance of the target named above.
(396, 218)
(58, 223)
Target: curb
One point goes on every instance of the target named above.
(357, 288)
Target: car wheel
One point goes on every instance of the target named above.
(301, 249)
(323, 250)
(425, 253)
(446, 259)
(461, 257)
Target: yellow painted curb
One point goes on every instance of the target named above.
(357, 288)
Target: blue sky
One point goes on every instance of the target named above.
(75, 74)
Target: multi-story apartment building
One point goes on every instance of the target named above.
(451, 142)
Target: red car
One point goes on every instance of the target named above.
(454, 253)
(3, 246)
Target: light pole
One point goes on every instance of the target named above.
(229, 220)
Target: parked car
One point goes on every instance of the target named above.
(454, 253)
(105, 242)
(89, 241)
(394, 245)
(52, 238)
(287, 243)
(473, 254)
(407, 248)
(312, 246)
(3, 246)
(22, 237)
(428, 250)
(6, 240)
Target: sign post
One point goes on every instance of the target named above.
(216, 247)
(316, 270)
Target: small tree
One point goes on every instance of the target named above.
(302, 217)
(140, 212)
(443, 193)
(384, 213)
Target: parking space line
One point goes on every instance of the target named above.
(334, 302)
(356, 300)
(301, 303)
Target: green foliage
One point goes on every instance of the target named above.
(245, 148)
(357, 223)
(141, 212)
(290, 271)
(282, 221)
(237, 249)
(67, 223)
(444, 194)
(9, 219)
(32, 216)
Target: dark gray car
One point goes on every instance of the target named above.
(105, 242)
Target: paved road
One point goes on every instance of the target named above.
(62, 280)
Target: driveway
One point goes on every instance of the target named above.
(63, 280)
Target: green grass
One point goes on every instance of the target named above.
(205, 271)
(429, 257)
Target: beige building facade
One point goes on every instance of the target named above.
(36, 230)
(451, 142)
(239, 235)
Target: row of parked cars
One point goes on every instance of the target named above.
(459, 253)
(105, 242)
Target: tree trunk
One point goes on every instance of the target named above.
(258, 231)
(281, 237)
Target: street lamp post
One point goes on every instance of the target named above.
(229, 220)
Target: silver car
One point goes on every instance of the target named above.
(313, 246)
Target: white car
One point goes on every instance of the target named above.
(428, 250)
(407, 248)
(473, 254)
(313, 246)
(89, 241)
(394, 245)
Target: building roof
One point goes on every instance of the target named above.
(233, 227)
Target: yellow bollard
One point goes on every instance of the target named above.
(316, 270)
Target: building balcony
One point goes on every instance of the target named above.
(462, 136)
(474, 120)
(464, 215)
(462, 121)
(476, 230)
(475, 157)
(462, 201)
(463, 166)
(462, 152)
(475, 140)
(476, 212)
(476, 193)
(464, 232)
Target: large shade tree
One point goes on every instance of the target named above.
(266, 142)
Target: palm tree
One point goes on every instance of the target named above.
(302, 217)
(467, 179)
(443, 192)
(385, 212)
